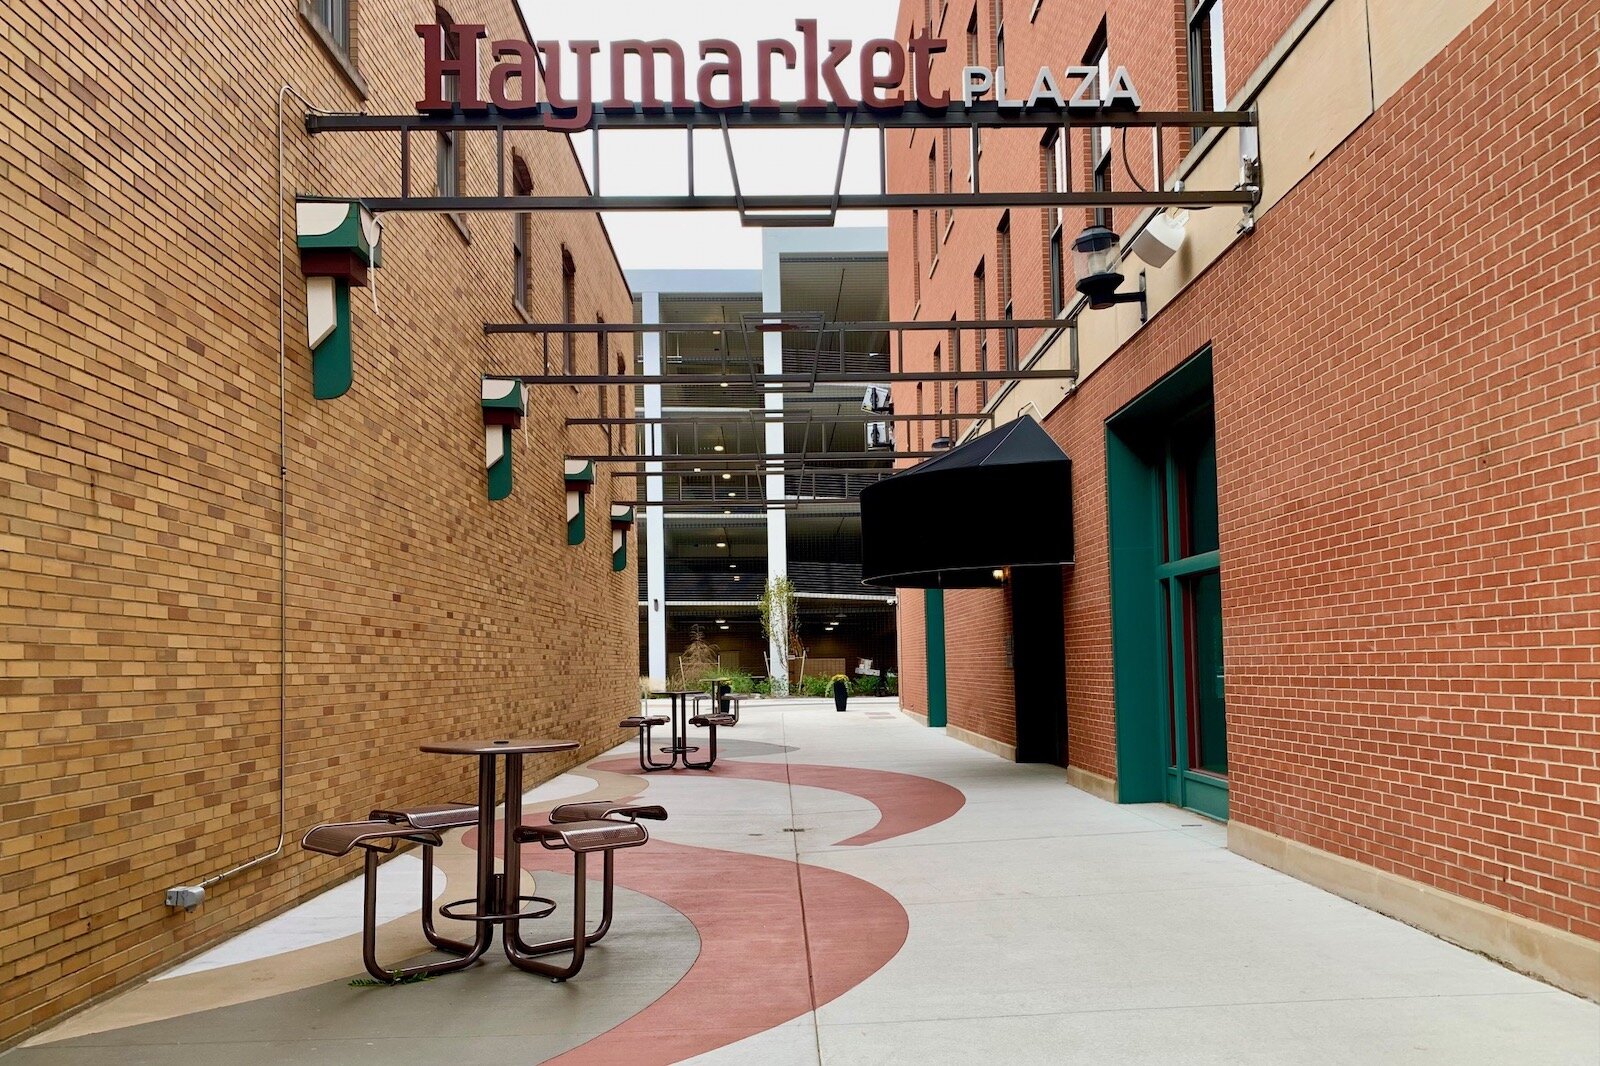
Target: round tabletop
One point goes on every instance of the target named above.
(510, 746)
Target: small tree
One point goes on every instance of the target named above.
(781, 624)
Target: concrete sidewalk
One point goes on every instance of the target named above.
(855, 888)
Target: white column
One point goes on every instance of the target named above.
(777, 520)
(655, 562)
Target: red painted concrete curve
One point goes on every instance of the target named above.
(905, 802)
(777, 939)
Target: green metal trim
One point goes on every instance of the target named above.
(500, 472)
(619, 558)
(347, 236)
(933, 629)
(577, 527)
(585, 476)
(1134, 514)
(1194, 564)
(1141, 626)
(512, 401)
(332, 369)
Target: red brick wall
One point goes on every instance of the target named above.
(1411, 593)
(139, 595)
(913, 651)
(978, 686)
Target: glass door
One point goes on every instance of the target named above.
(1189, 577)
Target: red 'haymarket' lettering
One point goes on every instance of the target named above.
(528, 77)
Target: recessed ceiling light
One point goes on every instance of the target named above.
(721, 620)
(727, 477)
(722, 627)
(722, 544)
(724, 384)
(731, 495)
(733, 566)
(716, 333)
(728, 512)
(716, 447)
(697, 470)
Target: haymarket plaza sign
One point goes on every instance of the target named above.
(527, 78)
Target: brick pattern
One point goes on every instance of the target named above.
(978, 686)
(139, 584)
(1411, 596)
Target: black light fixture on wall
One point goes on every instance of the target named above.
(1097, 263)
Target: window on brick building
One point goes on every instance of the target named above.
(933, 214)
(333, 24)
(949, 173)
(1099, 57)
(569, 311)
(920, 422)
(622, 405)
(938, 395)
(1208, 75)
(334, 17)
(999, 13)
(1053, 167)
(954, 342)
(449, 164)
(521, 236)
(602, 393)
(980, 311)
(1002, 255)
(975, 145)
(916, 256)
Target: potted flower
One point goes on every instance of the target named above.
(840, 687)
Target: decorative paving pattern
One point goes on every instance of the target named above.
(905, 803)
(896, 897)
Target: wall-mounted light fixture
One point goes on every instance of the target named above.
(338, 241)
(580, 479)
(621, 522)
(505, 403)
(1097, 264)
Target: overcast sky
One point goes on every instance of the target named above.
(769, 162)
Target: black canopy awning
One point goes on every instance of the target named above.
(1003, 500)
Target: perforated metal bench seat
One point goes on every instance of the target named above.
(604, 826)
(381, 836)
(640, 721)
(431, 815)
(714, 718)
(600, 834)
(594, 809)
(337, 838)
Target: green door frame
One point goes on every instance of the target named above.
(933, 627)
(1146, 603)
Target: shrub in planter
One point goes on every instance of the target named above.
(840, 686)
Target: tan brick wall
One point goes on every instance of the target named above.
(1407, 467)
(139, 590)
